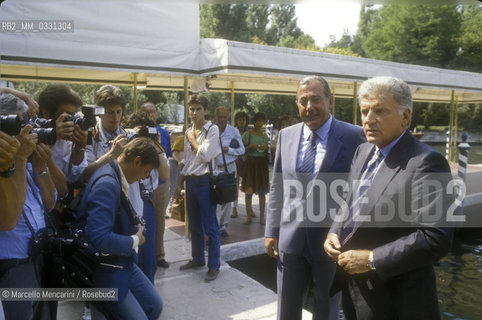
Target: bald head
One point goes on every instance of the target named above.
(150, 109)
(222, 117)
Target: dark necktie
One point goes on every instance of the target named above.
(362, 190)
(308, 162)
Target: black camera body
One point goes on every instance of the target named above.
(145, 131)
(44, 128)
(11, 124)
(88, 120)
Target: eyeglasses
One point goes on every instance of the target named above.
(314, 100)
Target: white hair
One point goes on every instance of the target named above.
(10, 104)
(382, 86)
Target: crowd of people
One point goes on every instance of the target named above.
(128, 167)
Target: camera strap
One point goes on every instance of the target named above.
(124, 201)
(27, 221)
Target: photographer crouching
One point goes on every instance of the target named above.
(61, 105)
(20, 264)
(141, 192)
(112, 229)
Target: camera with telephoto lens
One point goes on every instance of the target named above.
(11, 124)
(144, 131)
(87, 120)
(44, 128)
(139, 220)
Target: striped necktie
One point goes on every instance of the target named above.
(362, 190)
(308, 162)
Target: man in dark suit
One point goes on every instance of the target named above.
(315, 150)
(111, 228)
(385, 246)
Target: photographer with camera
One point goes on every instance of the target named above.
(20, 266)
(13, 161)
(108, 138)
(28, 99)
(161, 194)
(60, 103)
(141, 193)
(111, 228)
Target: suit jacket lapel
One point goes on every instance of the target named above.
(386, 173)
(333, 146)
(291, 147)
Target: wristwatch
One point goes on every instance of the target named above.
(42, 174)
(9, 172)
(370, 263)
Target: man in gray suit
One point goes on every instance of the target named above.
(385, 246)
(309, 153)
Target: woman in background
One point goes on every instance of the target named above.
(240, 123)
(256, 179)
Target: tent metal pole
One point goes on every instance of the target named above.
(451, 125)
(355, 104)
(186, 99)
(135, 91)
(232, 103)
(456, 129)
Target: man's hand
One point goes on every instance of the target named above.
(40, 157)
(332, 246)
(79, 137)
(33, 106)
(192, 140)
(271, 246)
(64, 129)
(118, 146)
(8, 149)
(28, 142)
(225, 149)
(140, 230)
(354, 261)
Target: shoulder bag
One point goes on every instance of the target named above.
(223, 186)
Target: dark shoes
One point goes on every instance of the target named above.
(191, 264)
(162, 263)
(211, 275)
(224, 234)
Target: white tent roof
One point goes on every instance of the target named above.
(157, 45)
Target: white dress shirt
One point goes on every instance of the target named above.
(322, 133)
(61, 152)
(197, 163)
(227, 136)
(134, 194)
(102, 146)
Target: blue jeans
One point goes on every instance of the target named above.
(142, 301)
(202, 220)
(147, 251)
(24, 275)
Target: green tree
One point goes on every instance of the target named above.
(264, 24)
(274, 106)
(225, 21)
(344, 42)
(258, 20)
(469, 56)
(436, 114)
(368, 14)
(423, 35)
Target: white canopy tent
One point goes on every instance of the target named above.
(156, 45)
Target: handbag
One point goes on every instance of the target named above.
(177, 209)
(66, 253)
(223, 186)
